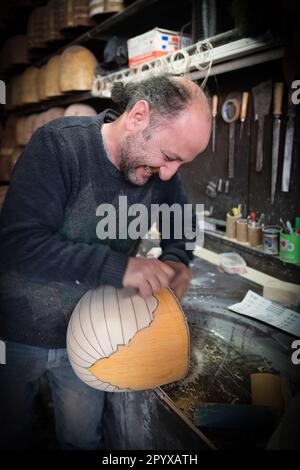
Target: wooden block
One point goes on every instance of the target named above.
(284, 293)
(266, 390)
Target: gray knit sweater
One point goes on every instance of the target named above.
(50, 254)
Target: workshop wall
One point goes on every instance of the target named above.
(248, 187)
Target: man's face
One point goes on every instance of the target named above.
(163, 149)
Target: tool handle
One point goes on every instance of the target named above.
(278, 95)
(245, 98)
(215, 105)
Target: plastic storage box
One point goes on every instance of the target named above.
(232, 263)
(153, 44)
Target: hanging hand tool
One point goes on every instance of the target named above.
(288, 148)
(244, 108)
(211, 189)
(262, 95)
(214, 120)
(230, 114)
(277, 105)
(220, 184)
(226, 187)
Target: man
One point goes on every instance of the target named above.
(50, 252)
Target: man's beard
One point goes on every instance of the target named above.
(134, 169)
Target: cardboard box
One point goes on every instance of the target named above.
(153, 44)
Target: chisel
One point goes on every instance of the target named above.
(288, 147)
(230, 114)
(262, 96)
(277, 111)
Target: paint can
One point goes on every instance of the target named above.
(271, 239)
(289, 248)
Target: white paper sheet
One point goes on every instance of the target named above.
(255, 306)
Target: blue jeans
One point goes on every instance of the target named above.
(78, 408)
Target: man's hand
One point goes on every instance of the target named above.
(147, 275)
(181, 279)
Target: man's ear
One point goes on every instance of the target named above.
(138, 118)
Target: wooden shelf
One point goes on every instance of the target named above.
(235, 54)
(101, 28)
(254, 257)
(96, 32)
(59, 101)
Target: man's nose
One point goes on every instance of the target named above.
(167, 171)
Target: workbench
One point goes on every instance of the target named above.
(225, 349)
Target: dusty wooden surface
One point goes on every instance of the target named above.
(226, 347)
